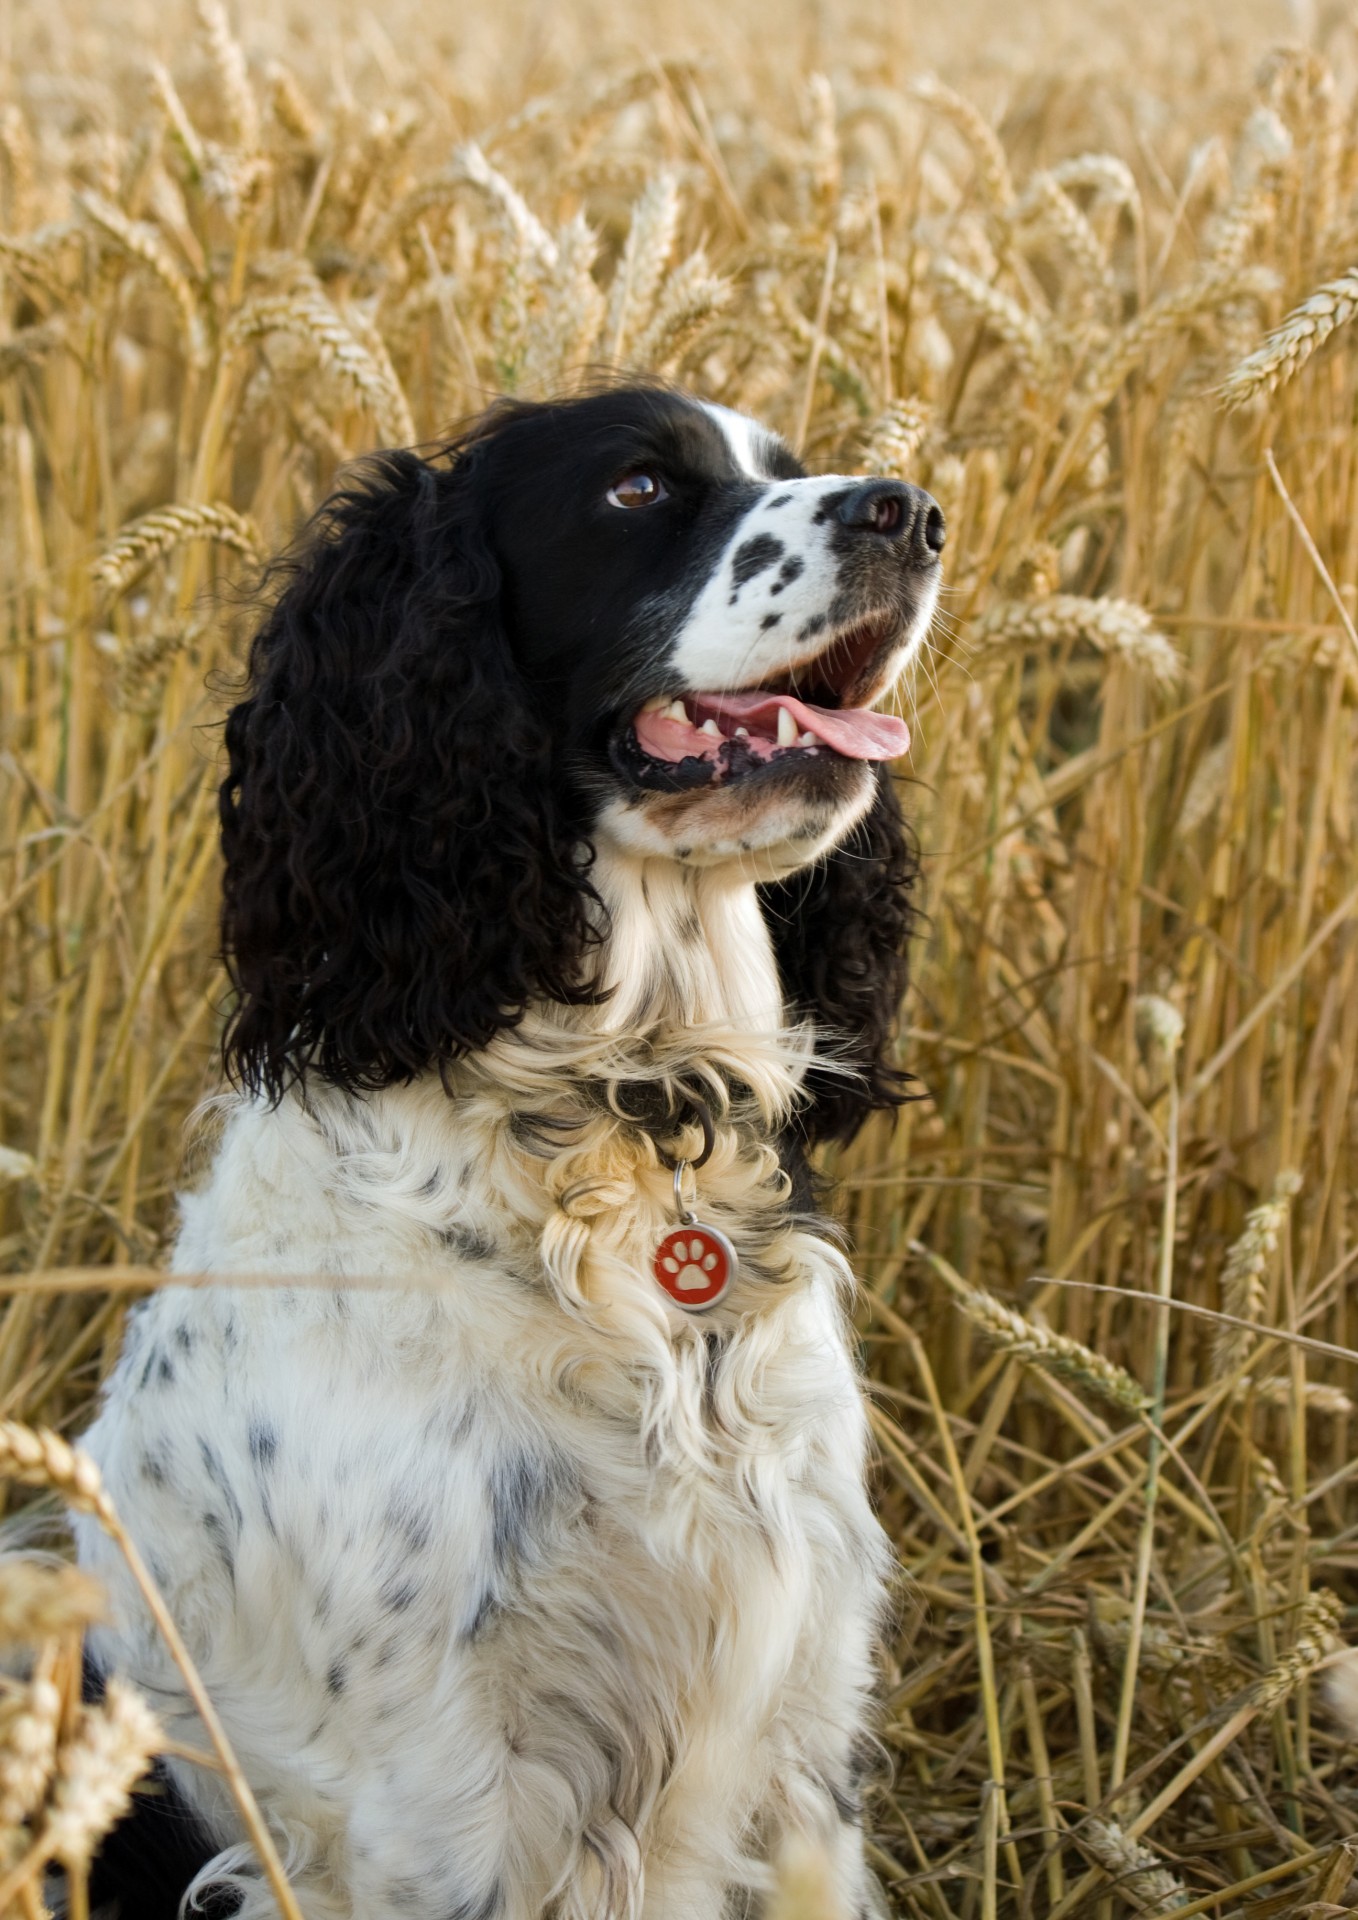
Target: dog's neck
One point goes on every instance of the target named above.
(689, 989)
(686, 948)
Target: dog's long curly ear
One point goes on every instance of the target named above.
(399, 881)
(839, 932)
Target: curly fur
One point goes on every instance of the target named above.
(523, 1593)
(840, 934)
(400, 880)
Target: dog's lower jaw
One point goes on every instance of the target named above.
(755, 837)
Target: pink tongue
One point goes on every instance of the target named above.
(855, 732)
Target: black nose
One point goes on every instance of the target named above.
(894, 511)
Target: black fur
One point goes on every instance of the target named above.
(399, 881)
(840, 933)
(147, 1862)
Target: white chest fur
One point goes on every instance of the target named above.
(518, 1590)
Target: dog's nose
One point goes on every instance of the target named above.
(897, 512)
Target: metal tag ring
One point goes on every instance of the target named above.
(685, 1213)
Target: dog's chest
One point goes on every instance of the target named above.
(378, 1546)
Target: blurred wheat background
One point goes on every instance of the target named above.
(1085, 275)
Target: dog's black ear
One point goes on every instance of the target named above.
(399, 879)
(839, 932)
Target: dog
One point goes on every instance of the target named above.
(520, 1528)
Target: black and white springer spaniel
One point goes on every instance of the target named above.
(523, 1539)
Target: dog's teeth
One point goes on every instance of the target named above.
(656, 704)
(806, 739)
(676, 710)
(710, 726)
(741, 733)
(787, 728)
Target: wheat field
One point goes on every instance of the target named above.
(1087, 276)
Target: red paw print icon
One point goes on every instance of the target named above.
(694, 1264)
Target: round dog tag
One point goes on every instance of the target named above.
(695, 1264)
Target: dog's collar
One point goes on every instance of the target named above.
(662, 1113)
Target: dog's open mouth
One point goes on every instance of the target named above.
(698, 738)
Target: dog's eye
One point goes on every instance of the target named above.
(637, 490)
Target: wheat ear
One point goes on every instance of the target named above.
(1036, 1346)
(38, 1457)
(1215, 288)
(692, 294)
(1243, 1276)
(43, 1603)
(646, 254)
(1116, 627)
(158, 533)
(1139, 1873)
(143, 242)
(233, 77)
(112, 1747)
(1286, 350)
(1010, 322)
(1317, 1637)
(186, 135)
(992, 164)
(29, 1721)
(309, 316)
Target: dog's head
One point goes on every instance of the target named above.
(627, 621)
